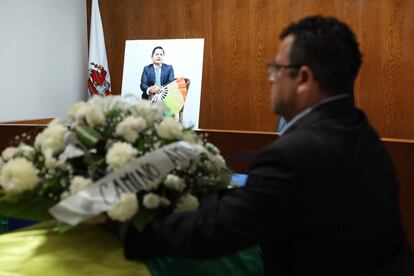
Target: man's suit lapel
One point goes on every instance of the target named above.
(151, 73)
(164, 74)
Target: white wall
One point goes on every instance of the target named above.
(43, 57)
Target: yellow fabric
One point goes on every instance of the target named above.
(176, 95)
(87, 250)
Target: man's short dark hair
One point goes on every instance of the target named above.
(158, 47)
(329, 47)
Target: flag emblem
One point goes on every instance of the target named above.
(98, 82)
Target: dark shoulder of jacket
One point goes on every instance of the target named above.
(276, 152)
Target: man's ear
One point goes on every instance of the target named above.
(305, 79)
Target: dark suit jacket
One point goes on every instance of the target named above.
(320, 200)
(148, 77)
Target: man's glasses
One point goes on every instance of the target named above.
(273, 67)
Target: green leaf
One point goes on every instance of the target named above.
(143, 217)
(19, 207)
(63, 227)
(88, 136)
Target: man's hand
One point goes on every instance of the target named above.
(155, 89)
(152, 90)
(158, 89)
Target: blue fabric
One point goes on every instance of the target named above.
(157, 76)
(281, 124)
(17, 223)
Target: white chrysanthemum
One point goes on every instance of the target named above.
(218, 160)
(212, 148)
(91, 111)
(79, 183)
(18, 175)
(151, 201)
(187, 203)
(64, 195)
(130, 98)
(26, 150)
(8, 153)
(120, 154)
(164, 201)
(52, 138)
(94, 115)
(73, 112)
(50, 162)
(169, 129)
(125, 209)
(190, 137)
(38, 141)
(174, 182)
(130, 128)
(108, 103)
(150, 112)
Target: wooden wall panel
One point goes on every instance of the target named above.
(241, 35)
(386, 81)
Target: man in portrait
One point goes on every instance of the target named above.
(156, 75)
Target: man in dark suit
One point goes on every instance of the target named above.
(320, 200)
(156, 75)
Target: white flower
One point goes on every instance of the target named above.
(120, 154)
(50, 162)
(174, 182)
(26, 151)
(190, 137)
(64, 195)
(94, 115)
(151, 201)
(52, 138)
(164, 201)
(212, 148)
(130, 128)
(79, 183)
(92, 112)
(9, 153)
(38, 141)
(187, 203)
(125, 209)
(169, 129)
(130, 98)
(150, 112)
(218, 160)
(18, 175)
(73, 112)
(108, 103)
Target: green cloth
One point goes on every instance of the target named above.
(87, 250)
(243, 263)
(91, 250)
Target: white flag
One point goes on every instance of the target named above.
(99, 82)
